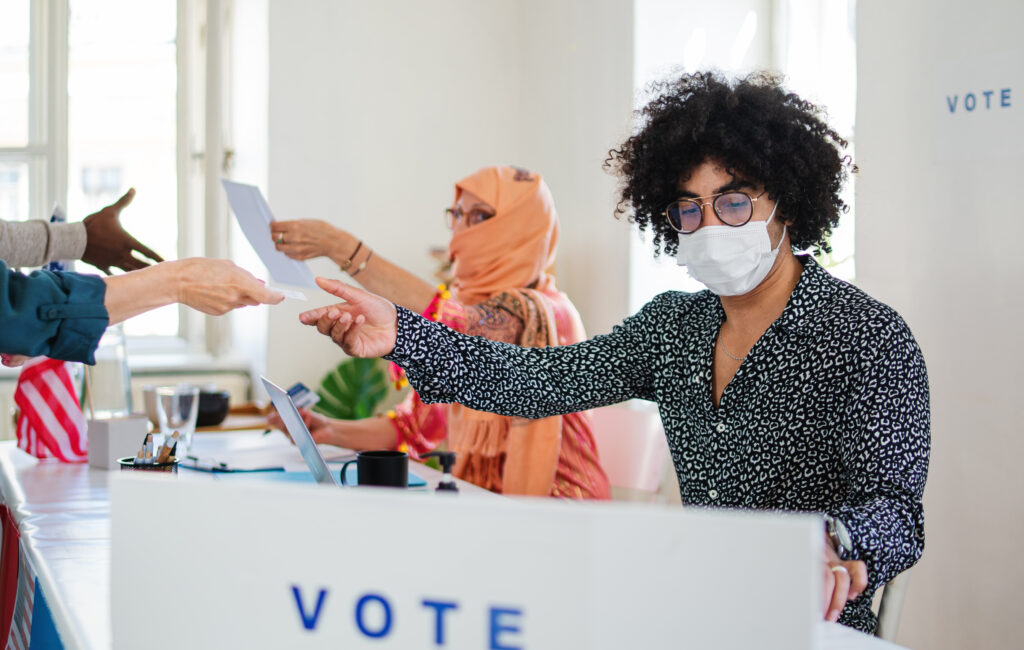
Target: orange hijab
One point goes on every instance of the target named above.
(514, 247)
(508, 252)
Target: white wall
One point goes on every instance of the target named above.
(938, 226)
(377, 108)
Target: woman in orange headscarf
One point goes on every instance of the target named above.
(504, 235)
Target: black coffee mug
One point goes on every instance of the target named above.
(386, 468)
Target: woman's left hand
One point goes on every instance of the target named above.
(303, 239)
(313, 421)
(844, 581)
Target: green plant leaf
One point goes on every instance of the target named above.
(353, 389)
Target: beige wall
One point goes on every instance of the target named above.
(936, 238)
(376, 108)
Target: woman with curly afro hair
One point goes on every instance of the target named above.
(779, 387)
(763, 132)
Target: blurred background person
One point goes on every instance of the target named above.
(504, 235)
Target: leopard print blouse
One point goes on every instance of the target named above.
(828, 413)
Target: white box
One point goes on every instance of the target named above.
(115, 438)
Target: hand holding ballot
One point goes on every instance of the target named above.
(207, 285)
(365, 325)
(218, 286)
(304, 239)
(27, 329)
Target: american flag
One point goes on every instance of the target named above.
(50, 422)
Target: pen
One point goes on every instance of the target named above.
(167, 448)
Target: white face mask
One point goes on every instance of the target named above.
(729, 260)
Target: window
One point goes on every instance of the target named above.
(14, 73)
(816, 48)
(122, 124)
(98, 96)
(22, 130)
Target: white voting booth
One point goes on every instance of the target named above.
(270, 565)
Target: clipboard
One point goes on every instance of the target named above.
(213, 465)
(260, 459)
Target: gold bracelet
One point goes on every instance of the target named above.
(361, 266)
(348, 262)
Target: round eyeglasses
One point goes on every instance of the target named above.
(734, 208)
(472, 216)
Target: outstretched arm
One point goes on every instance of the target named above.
(445, 366)
(63, 315)
(211, 286)
(303, 239)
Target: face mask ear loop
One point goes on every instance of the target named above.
(784, 226)
(776, 249)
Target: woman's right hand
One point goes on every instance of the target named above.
(303, 239)
(218, 286)
(365, 325)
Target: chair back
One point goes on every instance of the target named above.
(632, 447)
(891, 606)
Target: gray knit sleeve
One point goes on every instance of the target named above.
(36, 242)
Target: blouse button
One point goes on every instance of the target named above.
(713, 493)
(51, 313)
(720, 427)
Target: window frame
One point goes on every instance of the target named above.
(201, 39)
(45, 152)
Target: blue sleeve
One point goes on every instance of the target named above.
(58, 315)
(446, 366)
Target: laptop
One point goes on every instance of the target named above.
(300, 434)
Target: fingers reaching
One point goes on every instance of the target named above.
(124, 201)
(337, 288)
(145, 250)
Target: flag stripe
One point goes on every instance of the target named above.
(50, 423)
(63, 395)
(45, 423)
(47, 387)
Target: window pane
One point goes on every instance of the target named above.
(14, 86)
(13, 191)
(122, 85)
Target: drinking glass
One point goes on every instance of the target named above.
(176, 408)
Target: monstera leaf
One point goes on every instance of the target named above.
(353, 389)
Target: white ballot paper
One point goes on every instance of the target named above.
(254, 217)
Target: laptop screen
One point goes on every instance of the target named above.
(300, 434)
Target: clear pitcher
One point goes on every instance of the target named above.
(108, 388)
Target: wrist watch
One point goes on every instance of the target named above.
(838, 536)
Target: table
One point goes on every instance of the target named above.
(63, 515)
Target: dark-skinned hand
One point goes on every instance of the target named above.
(108, 244)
